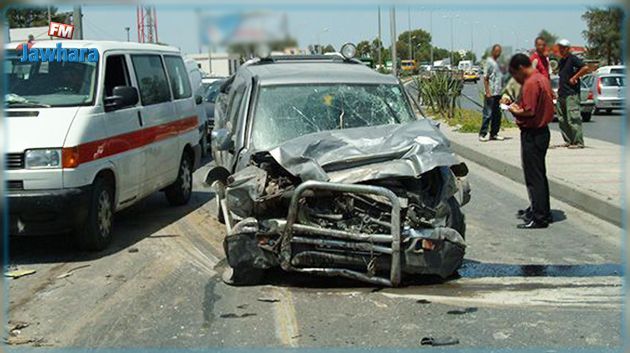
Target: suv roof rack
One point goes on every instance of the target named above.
(277, 59)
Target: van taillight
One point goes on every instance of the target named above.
(599, 85)
(70, 157)
(590, 95)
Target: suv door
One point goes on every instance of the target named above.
(160, 122)
(235, 102)
(125, 131)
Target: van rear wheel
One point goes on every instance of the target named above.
(96, 234)
(179, 192)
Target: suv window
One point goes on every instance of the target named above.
(235, 104)
(151, 79)
(116, 73)
(180, 84)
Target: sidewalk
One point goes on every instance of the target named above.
(589, 179)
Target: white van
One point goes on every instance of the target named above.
(87, 139)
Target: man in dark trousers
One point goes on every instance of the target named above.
(533, 113)
(571, 69)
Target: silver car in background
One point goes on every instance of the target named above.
(586, 97)
(608, 92)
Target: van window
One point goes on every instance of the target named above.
(49, 84)
(151, 79)
(116, 73)
(180, 83)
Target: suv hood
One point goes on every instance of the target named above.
(366, 153)
(37, 128)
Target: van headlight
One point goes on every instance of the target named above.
(42, 159)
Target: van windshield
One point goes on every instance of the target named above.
(49, 84)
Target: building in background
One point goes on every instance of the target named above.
(222, 64)
(21, 34)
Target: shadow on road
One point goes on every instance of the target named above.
(130, 226)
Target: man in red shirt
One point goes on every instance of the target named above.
(533, 113)
(539, 60)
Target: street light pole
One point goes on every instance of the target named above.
(127, 30)
(452, 41)
(380, 43)
(392, 29)
(431, 30)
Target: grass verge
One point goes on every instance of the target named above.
(467, 120)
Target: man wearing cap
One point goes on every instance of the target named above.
(570, 69)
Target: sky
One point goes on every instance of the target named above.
(477, 24)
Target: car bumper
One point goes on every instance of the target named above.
(42, 212)
(610, 104)
(587, 107)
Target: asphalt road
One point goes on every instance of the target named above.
(159, 286)
(603, 126)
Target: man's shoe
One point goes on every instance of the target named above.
(497, 138)
(533, 225)
(575, 147)
(484, 138)
(521, 213)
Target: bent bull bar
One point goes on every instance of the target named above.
(394, 238)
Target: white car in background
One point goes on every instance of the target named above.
(612, 69)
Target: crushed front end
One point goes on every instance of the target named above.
(375, 229)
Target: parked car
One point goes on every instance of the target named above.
(196, 77)
(323, 168)
(206, 81)
(586, 97)
(210, 97)
(613, 69)
(609, 92)
(88, 139)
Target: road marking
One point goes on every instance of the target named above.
(568, 292)
(285, 318)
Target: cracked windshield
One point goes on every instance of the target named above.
(286, 112)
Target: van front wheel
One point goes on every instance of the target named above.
(180, 191)
(97, 232)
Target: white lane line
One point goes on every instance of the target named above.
(285, 318)
(604, 292)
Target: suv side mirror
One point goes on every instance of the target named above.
(198, 99)
(222, 140)
(122, 96)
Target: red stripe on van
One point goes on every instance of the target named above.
(110, 146)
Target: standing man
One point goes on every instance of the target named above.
(539, 59)
(533, 113)
(492, 82)
(570, 69)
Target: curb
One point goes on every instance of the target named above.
(574, 197)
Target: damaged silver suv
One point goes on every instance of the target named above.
(322, 167)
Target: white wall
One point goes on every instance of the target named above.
(222, 64)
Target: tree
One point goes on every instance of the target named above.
(603, 34)
(328, 49)
(364, 49)
(35, 17)
(416, 37)
(549, 37)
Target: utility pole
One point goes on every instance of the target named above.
(127, 30)
(452, 42)
(392, 29)
(49, 19)
(431, 30)
(409, 34)
(77, 19)
(380, 42)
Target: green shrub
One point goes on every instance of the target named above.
(440, 92)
